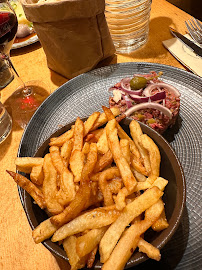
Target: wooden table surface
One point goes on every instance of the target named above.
(17, 248)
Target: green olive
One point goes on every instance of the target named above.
(138, 83)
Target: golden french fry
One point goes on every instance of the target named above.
(75, 207)
(76, 164)
(75, 261)
(93, 219)
(151, 251)
(124, 168)
(65, 151)
(50, 187)
(160, 183)
(82, 196)
(161, 223)
(136, 132)
(59, 141)
(27, 185)
(36, 175)
(103, 162)
(122, 134)
(125, 149)
(97, 133)
(91, 257)
(154, 154)
(78, 135)
(67, 189)
(102, 119)
(43, 231)
(87, 242)
(130, 239)
(115, 185)
(102, 143)
(25, 164)
(121, 198)
(132, 210)
(106, 191)
(86, 148)
(89, 123)
(56, 159)
(139, 176)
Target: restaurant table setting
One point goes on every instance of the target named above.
(79, 50)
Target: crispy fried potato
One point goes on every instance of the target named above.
(36, 175)
(25, 164)
(83, 194)
(96, 218)
(89, 123)
(132, 210)
(122, 134)
(130, 239)
(103, 162)
(102, 143)
(124, 168)
(76, 164)
(59, 141)
(115, 185)
(75, 261)
(50, 187)
(104, 187)
(67, 189)
(139, 176)
(151, 251)
(91, 257)
(27, 185)
(65, 151)
(43, 231)
(56, 159)
(154, 154)
(75, 207)
(78, 135)
(125, 149)
(136, 132)
(102, 119)
(161, 223)
(87, 242)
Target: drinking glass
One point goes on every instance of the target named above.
(28, 97)
(128, 22)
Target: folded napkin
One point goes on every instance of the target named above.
(184, 54)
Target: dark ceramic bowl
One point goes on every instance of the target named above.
(174, 196)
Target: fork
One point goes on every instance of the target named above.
(194, 27)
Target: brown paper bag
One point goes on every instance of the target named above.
(73, 33)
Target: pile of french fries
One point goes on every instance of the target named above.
(101, 189)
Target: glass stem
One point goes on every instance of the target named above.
(26, 90)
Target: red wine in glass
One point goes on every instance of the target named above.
(8, 30)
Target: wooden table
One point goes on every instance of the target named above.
(17, 248)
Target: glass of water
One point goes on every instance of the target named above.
(128, 22)
(5, 123)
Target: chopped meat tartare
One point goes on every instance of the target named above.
(147, 99)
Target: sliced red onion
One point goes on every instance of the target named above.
(158, 96)
(125, 83)
(128, 101)
(150, 105)
(147, 91)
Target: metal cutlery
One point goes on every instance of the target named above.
(194, 27)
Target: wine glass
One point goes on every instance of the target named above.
(28, 97)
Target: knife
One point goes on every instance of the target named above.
(187, 42)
